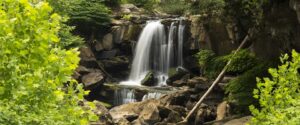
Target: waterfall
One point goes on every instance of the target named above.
(180, 43)
(152, 95)
(123, 96)
(151, 46)
(170, 53)
(154, 54)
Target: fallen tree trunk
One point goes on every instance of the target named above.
(216, 81)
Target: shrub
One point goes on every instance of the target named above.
(242, 61)
(212, 65)
(34, 68)
(240, 89)
(64, 8)
(279, 96)
(204, 58)
(90, 17)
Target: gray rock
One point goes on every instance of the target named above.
(142, 109)
(107, 42)
(150, 114)
(92, 79)
(118, 33)
(86, 53)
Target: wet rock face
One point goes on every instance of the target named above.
(216, 36)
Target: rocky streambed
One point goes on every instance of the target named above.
(170, 107)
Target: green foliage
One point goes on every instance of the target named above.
(127, 17)
(204, 58)
(279, 96)
(34, 68)
(64, 8)
(242, 61)
(240, 89)
(174, 7)
(90, 16)
(208, 7)
(69, 40)
(211, 65)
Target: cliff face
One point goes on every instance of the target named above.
(278, 33)
(281, 30)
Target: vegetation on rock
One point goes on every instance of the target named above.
(240, 89)
(211, 64)
(90, 17)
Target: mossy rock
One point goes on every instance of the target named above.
(149, 79)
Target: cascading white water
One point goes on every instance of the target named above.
(170, 51)
(152, 95)
(123, 96)
(149, 54)
(153, 53)
(180, 43)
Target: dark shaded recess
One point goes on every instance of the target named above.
(101, 93)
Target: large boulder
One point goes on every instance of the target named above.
(135, 109)
(93, 79)
(150, 113)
